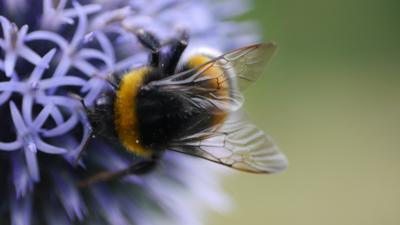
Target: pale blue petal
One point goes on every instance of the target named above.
(105, 45)
(87, 9)
(9, 62)
(96, 87)
(21, 210)
(2, 44)
(19, 123)
(21, 35)
(61, 81)
(85, 67)
(10, 146)
(4, 96)
(13, 86)
(133, 61)
(231, 8)
(27, 103)
(42, 116)
(102, 20)
(57, 116)
(49, 36)
(61, 5)
(110, 209)
(32, 163)
(20, 175)
(37, 73)
(95, 54)
(48, 5)
(47, 148)
(5, 24)
(62, 69)
(63, 66)
(68, 194)
(81, 27)
(63, 128)
(67, 20)
(29, 55)
(64, 101)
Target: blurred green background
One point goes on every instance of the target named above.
(331, 100)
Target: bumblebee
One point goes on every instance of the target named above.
(188, 102)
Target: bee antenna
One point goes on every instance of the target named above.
(88, 133)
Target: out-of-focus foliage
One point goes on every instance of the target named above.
(331, 100)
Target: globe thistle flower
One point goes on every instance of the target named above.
(51, 49)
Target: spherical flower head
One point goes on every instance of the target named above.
(51, 51)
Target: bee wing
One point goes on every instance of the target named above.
(237, 144)
(239, 68)
(248, 62)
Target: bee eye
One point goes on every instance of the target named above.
(99, 101)
(103, 100)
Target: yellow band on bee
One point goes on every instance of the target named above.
(125, 118)
(216, 79)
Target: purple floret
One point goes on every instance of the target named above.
(52, 50)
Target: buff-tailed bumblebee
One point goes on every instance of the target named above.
(188, 102)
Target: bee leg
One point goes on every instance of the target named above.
(137, 169)
(177, 46)
(151, 42)
(98, 121)
(87, 133)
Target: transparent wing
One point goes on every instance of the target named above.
(248, 62)
(230, 73)
(237, 144)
